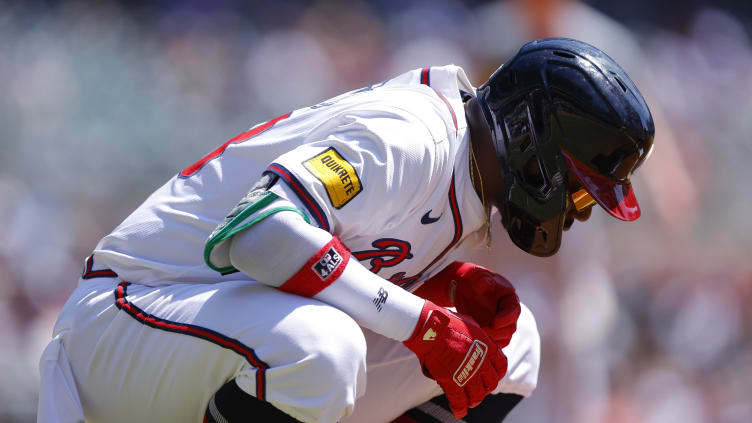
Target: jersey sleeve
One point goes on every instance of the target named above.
(365, 173)
(257, 205)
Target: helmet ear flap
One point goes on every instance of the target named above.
(540, 238)
(534, 198)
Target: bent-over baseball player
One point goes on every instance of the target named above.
(305, 270)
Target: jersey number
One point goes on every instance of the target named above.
(245, 136)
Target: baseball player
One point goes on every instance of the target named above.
(305, 270)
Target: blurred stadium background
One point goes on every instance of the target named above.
(103, 101)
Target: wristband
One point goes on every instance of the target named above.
(320, 270)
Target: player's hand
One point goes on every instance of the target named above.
(487, 297)
(459, 355)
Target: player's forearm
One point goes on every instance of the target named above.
(283, 251)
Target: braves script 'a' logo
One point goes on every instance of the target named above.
(399, 278)
(471, 363)
(388, 252)
(328, 264)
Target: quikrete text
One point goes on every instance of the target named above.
(340, 170)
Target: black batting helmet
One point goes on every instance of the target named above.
(560, 106)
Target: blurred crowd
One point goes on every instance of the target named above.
(650, 321)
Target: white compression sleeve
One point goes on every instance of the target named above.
(374, 302)
(275, 249)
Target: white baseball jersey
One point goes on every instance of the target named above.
(161, 321)
(384, 168)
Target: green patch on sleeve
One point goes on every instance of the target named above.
(252, 209)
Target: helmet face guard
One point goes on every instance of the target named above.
(562, 106)
(535, 194)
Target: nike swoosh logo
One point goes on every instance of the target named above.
(427, 220)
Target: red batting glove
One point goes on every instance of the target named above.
(459, 355)
(487, 297)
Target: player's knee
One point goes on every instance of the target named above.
(523, 355)
(339, 366)
(324, 365)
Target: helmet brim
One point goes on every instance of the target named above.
(617, 198)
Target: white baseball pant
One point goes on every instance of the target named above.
(127, 352)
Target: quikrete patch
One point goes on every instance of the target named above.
(337, 174)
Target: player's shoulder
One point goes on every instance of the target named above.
(398, 132)
(437, 96)
(405, 112)
(417, 108)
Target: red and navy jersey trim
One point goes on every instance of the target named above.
(451, 110)
(425, 76)
(197, 331)
(390, 252)
(292, 181)
(455, 207)
(243, 136)
(458, 229)
(90, 273)
(425, 79)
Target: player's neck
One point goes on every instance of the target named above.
(485, 155)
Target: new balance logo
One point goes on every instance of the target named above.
(327, 264)
(380, 298)
(471, 363)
